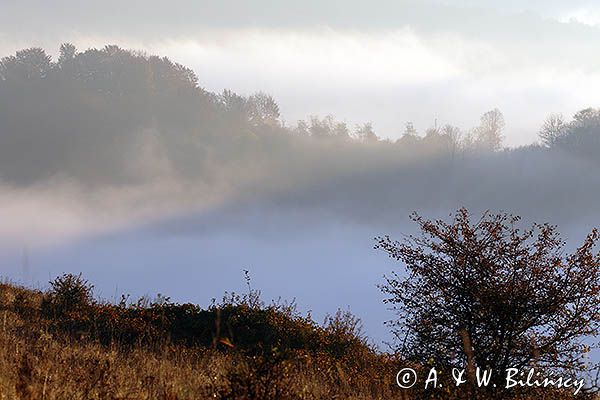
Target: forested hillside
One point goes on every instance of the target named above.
(118, 117)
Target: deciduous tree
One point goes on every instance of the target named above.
(514, 294)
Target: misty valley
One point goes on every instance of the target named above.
(160, 240)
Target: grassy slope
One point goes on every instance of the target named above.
(43, 357)
(62, 344)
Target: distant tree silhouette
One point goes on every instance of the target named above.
(442, 140)
(111, 115)
(580, 136)
(453, 137)
(488, 135)
(410, 136)
(28, 64)
(432, 132)
(552, 129)
(513, 294)
(409, 130)
(67, 54)
(263, 110)
(83, 116)
(235, 106)
(302, 128)
(587, 116)
(365, 133)
(325, 128)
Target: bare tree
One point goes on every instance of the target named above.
(488, 135)
(453, 136)
(552, 129)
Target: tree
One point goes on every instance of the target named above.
(365, 133)
(410, 137)
(321, 128)
(328, 127)
(28, 64)
(235, 106)
(552, 129)
(263, 110)
(340, 130)
(302, 128)
(452, 132)
(67, 54)
(488, 135)
(444, 139)
(410, 130)
(453, 137)
(581, 135)
(586, 116)
(513, 294)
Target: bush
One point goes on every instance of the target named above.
(68, 302)
(240, 323)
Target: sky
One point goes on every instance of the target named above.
(387, 62)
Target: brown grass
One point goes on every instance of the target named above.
(54, 347)
(40, 359)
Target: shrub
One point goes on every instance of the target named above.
(68, 302)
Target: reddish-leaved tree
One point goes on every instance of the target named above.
(489, 294)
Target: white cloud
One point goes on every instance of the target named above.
(584, 15)
(336, 57)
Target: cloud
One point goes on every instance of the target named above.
(584, 15)
(58, 211)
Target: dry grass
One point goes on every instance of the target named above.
(42, 358)
(37, 361)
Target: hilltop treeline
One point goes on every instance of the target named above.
(96, 114)
(118, 117)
